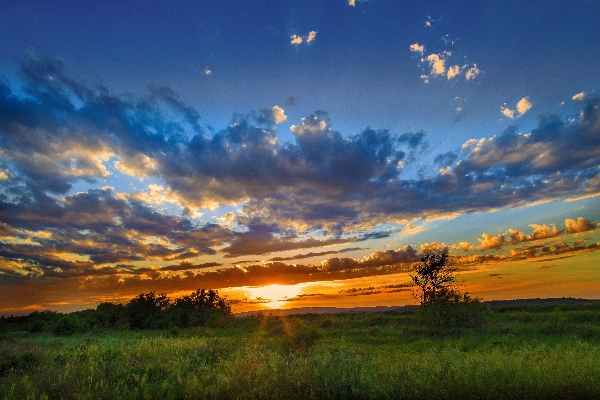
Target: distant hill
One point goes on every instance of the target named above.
(515, 303)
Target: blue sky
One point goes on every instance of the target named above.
(320, 146)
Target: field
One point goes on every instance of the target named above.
(521, 352)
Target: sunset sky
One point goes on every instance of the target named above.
(296, 153)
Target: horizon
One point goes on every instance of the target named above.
(296, 154)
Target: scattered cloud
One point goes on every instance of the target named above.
(453, 71)
(580, 96)
(522, 107)
(472, 72)
(416, 47)
(296, 39)
(321, 188)
(436, 63)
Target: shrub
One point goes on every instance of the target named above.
(65, 326)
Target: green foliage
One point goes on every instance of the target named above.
(299, 335)
(454, 313)
(67, 325)
(359, 355)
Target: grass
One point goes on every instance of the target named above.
(517, 354)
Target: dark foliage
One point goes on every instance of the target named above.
(198, 308)
(145, 311)
(445, 309)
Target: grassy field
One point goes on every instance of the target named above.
(519, 353)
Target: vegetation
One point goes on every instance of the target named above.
(145, 311)
(445, 308)
(524, 351)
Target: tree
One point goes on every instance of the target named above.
(446, 308)
(433, 279)
(145, 311)
(199, 308)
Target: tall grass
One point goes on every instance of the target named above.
(381, 355)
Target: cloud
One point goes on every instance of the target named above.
(580, 96)
(352, 3)
(312, 254)
(472, 72)
(320, 188)
(464, 246)
(453, 71)
(436, 63)
(507, 112)
(278, 115)
(296, 39)
(416, 47)
(579, 226)
(522, 107)
(410, 228)
(539, 233)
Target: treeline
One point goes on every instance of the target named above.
(145, 311)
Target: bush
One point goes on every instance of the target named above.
(456, 312)
(300, 336)
(66, 326)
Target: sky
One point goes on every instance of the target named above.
(296, 153)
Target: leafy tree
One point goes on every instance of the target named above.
(198, 308)
(445, 308)
(433, 279)
(111, 315)
(145, 311)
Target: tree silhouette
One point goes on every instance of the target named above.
(445, 308)
(433, 279)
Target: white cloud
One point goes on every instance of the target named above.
(507, 112)
(437, 64)
(580, 96)
(453, 71)
(472, 72)
(417, 48)
(297, 39)
(278, 114)
(523, 106)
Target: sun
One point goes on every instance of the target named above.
(277, 295)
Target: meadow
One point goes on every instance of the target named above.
(520, 352)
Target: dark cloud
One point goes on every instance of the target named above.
(312, 254)
(321, 179)
(55, 132)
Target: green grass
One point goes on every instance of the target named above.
(517, 355)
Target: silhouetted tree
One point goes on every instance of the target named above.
(198, 308)
(144, 311)
(433, 279)
(445, 308)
